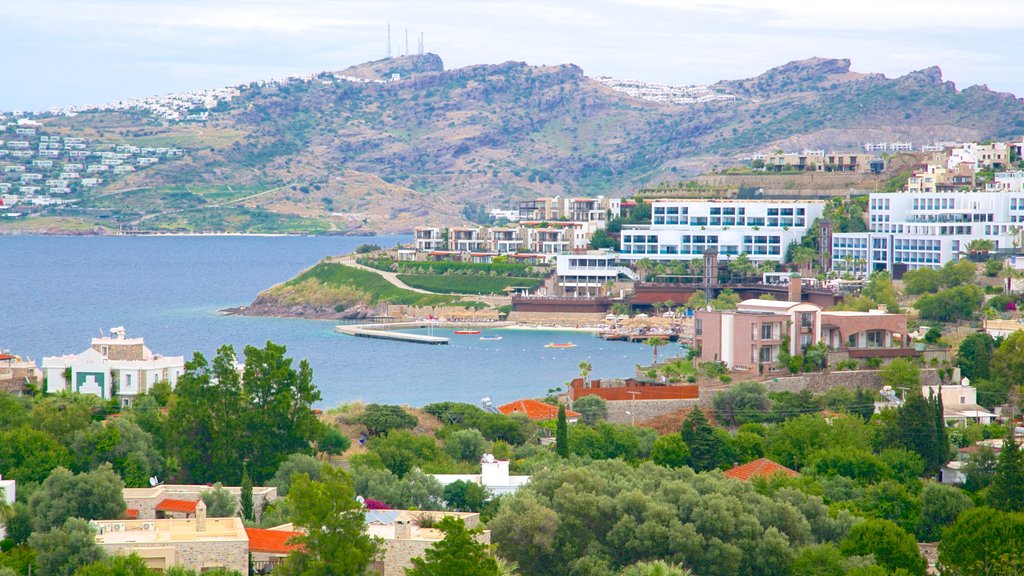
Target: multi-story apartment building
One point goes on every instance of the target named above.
(428, 239)
(588, 210)
(466, 239)
(588, 273)
(684, 229)
(992, 156)
(1007, 182)
(820, 161)
(910, 230)
(504, 240)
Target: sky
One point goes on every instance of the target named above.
(74, 52)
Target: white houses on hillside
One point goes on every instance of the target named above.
(113, 367)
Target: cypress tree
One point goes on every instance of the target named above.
(246, 495)
(705, 451)
(1007, 491)
(562, 434)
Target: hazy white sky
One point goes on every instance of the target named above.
(60, 52)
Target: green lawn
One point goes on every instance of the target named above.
(465, 284)
(376, 288)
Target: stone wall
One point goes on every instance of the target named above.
(445, 312)
(644, 410)
(819, 382)
(398, 553)
(555, 318)
(232, 555)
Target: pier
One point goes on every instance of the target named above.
(387, 331)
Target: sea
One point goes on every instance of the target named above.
(58, 292)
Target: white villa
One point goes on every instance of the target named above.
(113, 367)
(493, 475)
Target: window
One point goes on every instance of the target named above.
(766, 331)
(805, 341)
(876, 338)
(698, 327)
(766, 354)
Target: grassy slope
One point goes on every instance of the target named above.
(372, 287)
(459, 284)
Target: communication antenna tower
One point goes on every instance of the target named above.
(421, 43)
(406, 41)
(389, 40)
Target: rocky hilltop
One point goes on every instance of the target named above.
(350, 152)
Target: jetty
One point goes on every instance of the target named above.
(389, 330)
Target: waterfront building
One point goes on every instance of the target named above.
(910, 230)
(16, 374)
(588, 273)
(113, 367)
(685, 229)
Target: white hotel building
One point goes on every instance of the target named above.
(921, 229)
(684, 229)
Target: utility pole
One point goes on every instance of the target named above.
(406, 41)
(389, 41)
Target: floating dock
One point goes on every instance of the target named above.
(387, 331)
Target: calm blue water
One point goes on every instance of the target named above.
(58, 292)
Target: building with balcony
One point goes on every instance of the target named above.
(751, 337)
(466, 239)
(910, 230)
(684, 229)
(588, 273)
(428, 239)
(504, 240)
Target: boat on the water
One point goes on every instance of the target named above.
(490, 337)
(560, 345)
(464, 332)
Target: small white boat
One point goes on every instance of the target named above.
(490, 337)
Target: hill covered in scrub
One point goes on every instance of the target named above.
(355, 151)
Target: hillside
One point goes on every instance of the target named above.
(355, 152)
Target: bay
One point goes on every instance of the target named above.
(57, 292)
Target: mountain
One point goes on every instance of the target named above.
(390, 144)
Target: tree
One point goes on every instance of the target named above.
(458, 553)
(941, 505)
(382, 418)
(1007, 490)
(655, 568)
(220, 418)
(29, 455)
(922, 280)
(980, 469)
(958, 272)
(974, 356)
(983, 541)
(333, 442)
(124, 444)
(642, 267)
(466, 445)
(704, 446)
(600, 239)
(670, 451)
(655, 342)
(295, 464)
(334, 542)
(698, 300)
(15, 411)
(131, 565)
(415, 490)
(952, 304)
(917, 426)
(901, 374)
(1008, 359)
(592, 409)
(727, 299)
(245, 496)
(92, 495)
(892, 547)
(219, 502)
(562, 433)
(741, 403)
(63, 415)
(880, 289)
(585, 369)
(465, 496)
(63, 550)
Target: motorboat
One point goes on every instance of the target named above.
(560, 345)
(490, 338)
(465, 332)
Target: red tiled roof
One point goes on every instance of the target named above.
(761, 467)
(6, 357)
(131, 513)
(535, 410)
(271, 541)
(172, 505)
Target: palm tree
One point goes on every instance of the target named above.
(506, 568)
(643, 266)
(654, 342)
(585, 368)
(655, 568)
